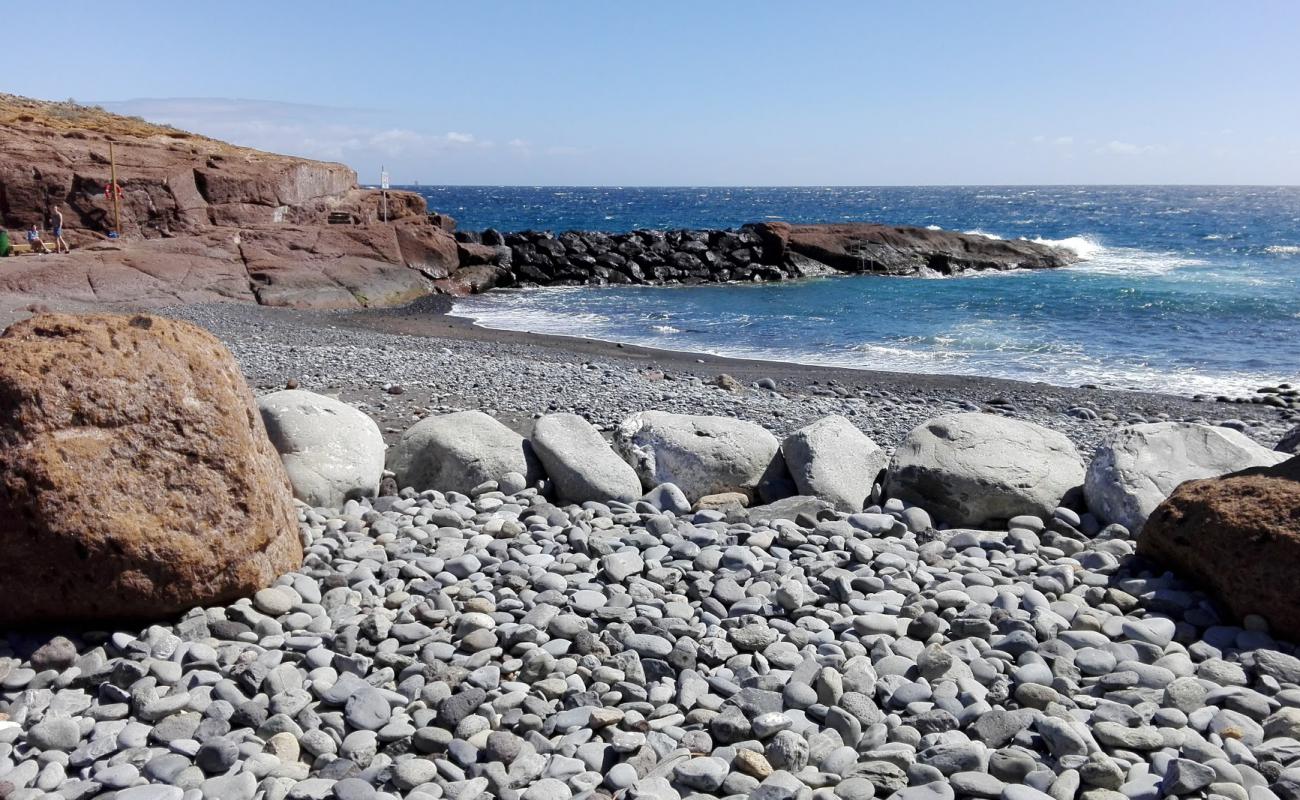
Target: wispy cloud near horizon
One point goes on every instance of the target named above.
(358, 137)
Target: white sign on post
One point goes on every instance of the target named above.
(383, 179)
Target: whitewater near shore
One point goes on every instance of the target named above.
(401, 364)
(1189, 290)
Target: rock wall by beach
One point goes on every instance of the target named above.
(173, 182)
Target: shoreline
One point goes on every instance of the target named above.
(406, 320)
(781, 363)
(400, 364)
(1197, 386)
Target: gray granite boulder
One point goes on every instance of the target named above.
(332, 451)
(968, 469)
(835, 461)
(1136, 467)
(456, 452)
(701, 455)
(581, 463)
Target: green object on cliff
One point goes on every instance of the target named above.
(4, 244)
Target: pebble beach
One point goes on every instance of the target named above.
(758, 406)
(497, 643)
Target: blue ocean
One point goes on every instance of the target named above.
(1181, 289)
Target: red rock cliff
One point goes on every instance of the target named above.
(201, 219)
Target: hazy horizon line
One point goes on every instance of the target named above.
(375, 184)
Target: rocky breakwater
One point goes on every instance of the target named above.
(201, 220)
(499, 642)
(761, 252)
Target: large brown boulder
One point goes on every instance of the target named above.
(427, 248)
(136, 477)
(1238, 536)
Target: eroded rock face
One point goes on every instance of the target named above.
(1138, 466)
(202, 220)
(301, 266)
(1239, 536)
(968, 469)
(173, 182)
(456, 452)
(332, 452)
(331, 266)
(835, 461)
(701, 455)
(136, 478)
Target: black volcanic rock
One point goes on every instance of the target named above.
(884, 249)
(763, 252)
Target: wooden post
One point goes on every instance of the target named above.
(112, 184)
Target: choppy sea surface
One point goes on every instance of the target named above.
(1182, 289)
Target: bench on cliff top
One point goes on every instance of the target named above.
(24, 249)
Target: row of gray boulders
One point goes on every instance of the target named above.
(964, 469)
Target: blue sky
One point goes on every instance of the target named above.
(704, 93)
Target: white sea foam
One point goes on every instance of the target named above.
(517, 311)
(1283, 249)
(1085, 247)
(664, 329)
(1130, 261)
(976, 348)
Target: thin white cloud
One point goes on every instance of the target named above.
(322, 132)
(397, 142)
(1118, 148)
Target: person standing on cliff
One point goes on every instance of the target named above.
(60, 246)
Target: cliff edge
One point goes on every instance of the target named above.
(201, 219)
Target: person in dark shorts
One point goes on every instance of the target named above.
(60, 246)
